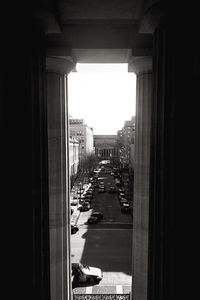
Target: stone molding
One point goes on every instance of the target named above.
(140, 64)
(47, 21)
(155, 15)
(60, 64)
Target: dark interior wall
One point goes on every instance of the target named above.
(174, 216)
(24, 171)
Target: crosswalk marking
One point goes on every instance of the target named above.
(119, 289)
(88, 290)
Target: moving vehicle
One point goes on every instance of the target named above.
(85, 273)
(95, 217)
(92, 220)
(97, 214)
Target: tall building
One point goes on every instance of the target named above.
(83, 134)
(126, 135)
(125, 140)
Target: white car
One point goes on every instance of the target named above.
(85, 273)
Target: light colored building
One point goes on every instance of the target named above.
(106, 147)
(84, 135)
(73, 156)
(126, 135)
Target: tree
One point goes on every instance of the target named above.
(89, 163)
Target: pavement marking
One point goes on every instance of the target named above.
(119, 289)
(88, 290)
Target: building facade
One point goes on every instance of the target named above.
(106, 147)
(126, 140)
(73, 157)
(84, 135)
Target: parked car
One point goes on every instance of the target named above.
(85, 273)
(85, 206)
(72, 210)
(112, 189)
(125, 207)
(101, 190)
(74, 229)
(88, 193)
(123, 200)
(120, 190)
(74, 202)
(121, 195)
(87, 198)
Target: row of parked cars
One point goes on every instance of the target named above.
(85, 198)
(125, 204)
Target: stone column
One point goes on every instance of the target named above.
(142, 67)
(59, 206)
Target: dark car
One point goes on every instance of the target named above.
(74, 229)
(97, 214)
(87, 198)
(95, 217)
(121, 195)
(85, 273)
(85, 206)
(101, 189)
(89, 192)
(120, 190)
(112, 189)
(92, 220)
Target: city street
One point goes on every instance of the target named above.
(106, 245)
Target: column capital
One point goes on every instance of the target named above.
(140, 64)
(60, 64)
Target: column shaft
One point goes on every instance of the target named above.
(142, 67)
(59, 206)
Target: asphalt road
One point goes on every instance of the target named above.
(106, 245)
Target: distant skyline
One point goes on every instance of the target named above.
(103, 95)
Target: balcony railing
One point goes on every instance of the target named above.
(101, 297)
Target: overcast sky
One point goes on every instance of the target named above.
(103, 95)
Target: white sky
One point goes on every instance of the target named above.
(103, 95)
